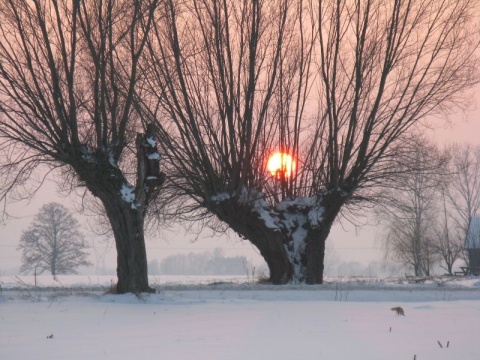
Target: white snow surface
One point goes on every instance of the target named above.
(231, 318)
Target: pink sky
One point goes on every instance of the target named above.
(361, 244)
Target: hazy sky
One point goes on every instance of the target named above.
(350, 243)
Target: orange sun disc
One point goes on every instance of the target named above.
(281, 165)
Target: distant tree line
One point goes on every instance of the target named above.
(206, 263)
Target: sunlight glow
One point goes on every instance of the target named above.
(281, 165)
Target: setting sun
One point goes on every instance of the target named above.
(281, 164)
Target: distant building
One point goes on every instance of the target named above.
(472, 242)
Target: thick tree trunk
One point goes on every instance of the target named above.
(315, 255)
(272, 250)
(125, 205)
(269, 241)
(128, 230)
(127, 223)
(317, 237)
(291, 241)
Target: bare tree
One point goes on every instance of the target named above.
(222, 72)
(337, 84)
(451, 201)
(449, 238)
(412, 201)
(69, 89)
(464, 187)
(53, 242)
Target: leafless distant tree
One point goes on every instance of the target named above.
(412, 201)
(335, 83)
(53, 242)
(464, 187)
(450, 199)
(69, 89)
(449, 239)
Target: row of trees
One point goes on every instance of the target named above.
(430, 205)
(93, 89)
(206, 263)
(54, 242)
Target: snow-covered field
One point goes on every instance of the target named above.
(231, 318)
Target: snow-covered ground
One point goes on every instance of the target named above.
(231, 318)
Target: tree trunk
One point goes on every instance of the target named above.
(272, 250)
(127, 222)
(128, 230)
(315, 254)
(449, 269)
(125, 205)
(269, 241)
(331, 203)
(53, 264)
(290, 240)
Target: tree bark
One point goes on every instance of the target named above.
(292, 245)
(128, 230)
(315, 254)
(331, 202)
(127, 223)
(269, 241)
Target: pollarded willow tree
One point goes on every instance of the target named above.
(69, 89)
(337, 84)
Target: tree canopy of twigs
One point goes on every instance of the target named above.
(338, 84)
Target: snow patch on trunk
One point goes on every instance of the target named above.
(260, 206)
(151, 141)
(111, 159)
(268, 219)
(296, 216)
(154, 156)
(223, 196)
(127, 192)
(299, 203)
(295, 224)
(87, 154)
(315, 215)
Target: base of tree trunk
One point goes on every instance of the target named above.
(121, 289)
